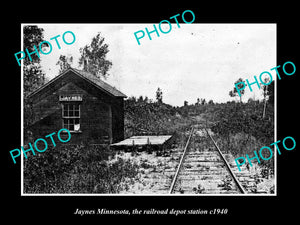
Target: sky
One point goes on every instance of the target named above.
(193, 61)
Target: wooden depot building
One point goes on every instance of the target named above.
(92, 110)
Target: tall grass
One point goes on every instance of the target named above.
(77, 169)
(240, 129)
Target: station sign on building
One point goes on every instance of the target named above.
(91, 109)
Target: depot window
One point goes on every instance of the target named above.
(71, 116)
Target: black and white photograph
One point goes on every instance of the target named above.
(129, 109)
(146, 111)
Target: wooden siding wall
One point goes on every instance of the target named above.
(101, 115)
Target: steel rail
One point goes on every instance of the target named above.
(242, 190)
(181, 161)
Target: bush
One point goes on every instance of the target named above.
(241, 129)
(147, 118)
(76, 169)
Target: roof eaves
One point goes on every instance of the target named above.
(78, 73)
(120, 94)
(47, 84)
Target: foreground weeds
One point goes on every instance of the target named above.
(77, 169)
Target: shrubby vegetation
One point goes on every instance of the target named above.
(239, 128)
(77, 169)
(245, 127)
(142, 116)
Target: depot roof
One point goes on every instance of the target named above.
(87, 76)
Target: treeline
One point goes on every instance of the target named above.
(242, 128)
(142, 116)
(239, 127)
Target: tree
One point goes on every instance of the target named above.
(159, 95)
(64, 63)
(265, 94)
(93, 57)
(34, 77)
(203, 101)
(270, 93)
(211, 102)
(251, 100)
(146, 99)
(140, 99)
(234, 92)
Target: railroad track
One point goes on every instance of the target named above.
(203, 168)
